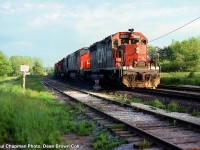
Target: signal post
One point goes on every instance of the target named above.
(24, 69)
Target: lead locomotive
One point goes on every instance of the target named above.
(121, 57)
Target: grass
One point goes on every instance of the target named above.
(180, 78)
(156, 103)
(98, 107)
(170, 107)
(104, 141)
(144, 144)
(123, 98)
(117, 126)
(34, 116)
(23, 114)
(174, 107)
(196, 113)
(85, 127)
(8, 79)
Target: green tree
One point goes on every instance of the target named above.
(153, 54)
(16, 61)
(181, 56)
(166, 53)
(152, 51)
(5, 66)
(38, 68)
(49, 70)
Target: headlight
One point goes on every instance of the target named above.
(137, 50)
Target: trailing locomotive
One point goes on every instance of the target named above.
(121, 57)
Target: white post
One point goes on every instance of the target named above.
(24, 76)
(24, 69)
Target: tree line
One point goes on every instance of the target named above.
(178, 56)
(11, 66)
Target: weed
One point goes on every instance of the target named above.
(172, 107)
(144, 144)
(98, 107)
(105, 142)
(196, 113)
(136, 100)
(156, 103)
(174, 122)
(153, 108)
(183, 109)
(123, 98)
(136, 109)
(79, 106)
(128, 102)
(85, 127)
(117, 126)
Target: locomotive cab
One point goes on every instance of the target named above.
(131, 55)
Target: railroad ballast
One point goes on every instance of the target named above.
(121, 57)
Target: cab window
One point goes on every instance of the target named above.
(115, 43)
(143, 42)
(134, 41)
(124, 41)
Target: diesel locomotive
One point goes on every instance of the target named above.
(121, 57)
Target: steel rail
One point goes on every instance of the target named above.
(173, 94)
(181, 88)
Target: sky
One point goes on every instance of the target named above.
(52, 29)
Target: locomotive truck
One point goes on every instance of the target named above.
(121, 57)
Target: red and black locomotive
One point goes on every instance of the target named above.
(121, 57)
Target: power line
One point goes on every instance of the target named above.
(174, 30)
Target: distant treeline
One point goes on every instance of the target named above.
(11, 66)
(179, 56)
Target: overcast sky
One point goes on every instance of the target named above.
(52, 29)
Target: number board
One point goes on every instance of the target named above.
(24, 68)
(124, 36)
(136, 36)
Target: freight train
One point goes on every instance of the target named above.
(121, 58)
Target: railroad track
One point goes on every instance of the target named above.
(184, 93)
(162, 131)
(189, 92)
(181, 88)
(171, 93)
